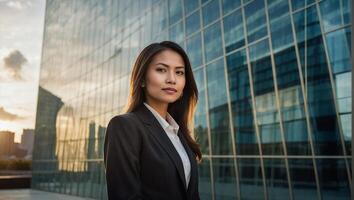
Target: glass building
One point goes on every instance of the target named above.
(274, 78)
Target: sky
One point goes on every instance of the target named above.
(21, 31)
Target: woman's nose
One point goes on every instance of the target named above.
(171, 77)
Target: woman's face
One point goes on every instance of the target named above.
(165, 77)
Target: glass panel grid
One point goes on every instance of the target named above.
(310, 48)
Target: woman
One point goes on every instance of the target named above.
(149, 152)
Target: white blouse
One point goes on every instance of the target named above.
(171, 129)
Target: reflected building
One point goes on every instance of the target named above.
(274, 77)
(7, 144)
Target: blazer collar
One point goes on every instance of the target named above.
(158, 132)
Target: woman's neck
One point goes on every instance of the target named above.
(161, 108)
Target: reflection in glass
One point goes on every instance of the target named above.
(339, 49)
(281, 31)
(212, 42)
(277, 9)
(297, 4)
(276, 178)
(251, 181)
(205, 180)
(333, 179)
(174, 10)
(229, 5)
(218, 109)
(241, 104)
(194, 46)
(224, 178)
(344, 102)
(302, 177)
(317, 83)
(192, 23)
(291, 103)
(210, 12)
(255, 20)
(233, 31)
(267, 115)
(159, 17)
(200, 122)
(335, 13)
(190, 5)
(176, 33)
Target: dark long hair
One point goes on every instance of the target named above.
(182, 110)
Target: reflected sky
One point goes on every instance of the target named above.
(21, 29)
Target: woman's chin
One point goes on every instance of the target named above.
(168, 99)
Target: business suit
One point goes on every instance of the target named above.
(142, 163)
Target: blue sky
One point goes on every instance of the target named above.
(21, 30)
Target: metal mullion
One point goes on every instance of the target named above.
(341, 12)
(304, 8)
(304, 94)
(184, 40)
(338, 28)
(207, 106)
(329, 66)
(253, 103)
(277, 100)
(229, 104)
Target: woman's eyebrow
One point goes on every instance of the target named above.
(169, 66)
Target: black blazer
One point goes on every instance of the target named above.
(142, 163)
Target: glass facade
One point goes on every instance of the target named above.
(274, 78)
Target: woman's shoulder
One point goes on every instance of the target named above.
(123, 118)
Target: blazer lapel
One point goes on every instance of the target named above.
(159, 133)
(192, 159)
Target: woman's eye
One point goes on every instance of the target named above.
(160, 69)
(180, 72)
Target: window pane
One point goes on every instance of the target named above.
(204, 180)
(276, 178)
(229, 5)
(318, 90)
(291, 103)
(302, 177)
(192, 23)
(251, 181)
(194, 49)
(344, 102)
(200, 123)
(190, 5)
(210, 12)
(175, 10)
(212, 42)
(255, 20)
(241, 104)
(176, 33)
(334, 13)
(281, 31)
(277, 9)
(333, 179)
(224, 178)
(218, 109)
(159, 17)
(233, 31)
(297, 4)
(267, 115)
(339, 49)
(306, 24)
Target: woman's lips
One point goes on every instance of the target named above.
(170, 90)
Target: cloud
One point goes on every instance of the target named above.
(4, 115)
(14, 62)
(17, 5)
